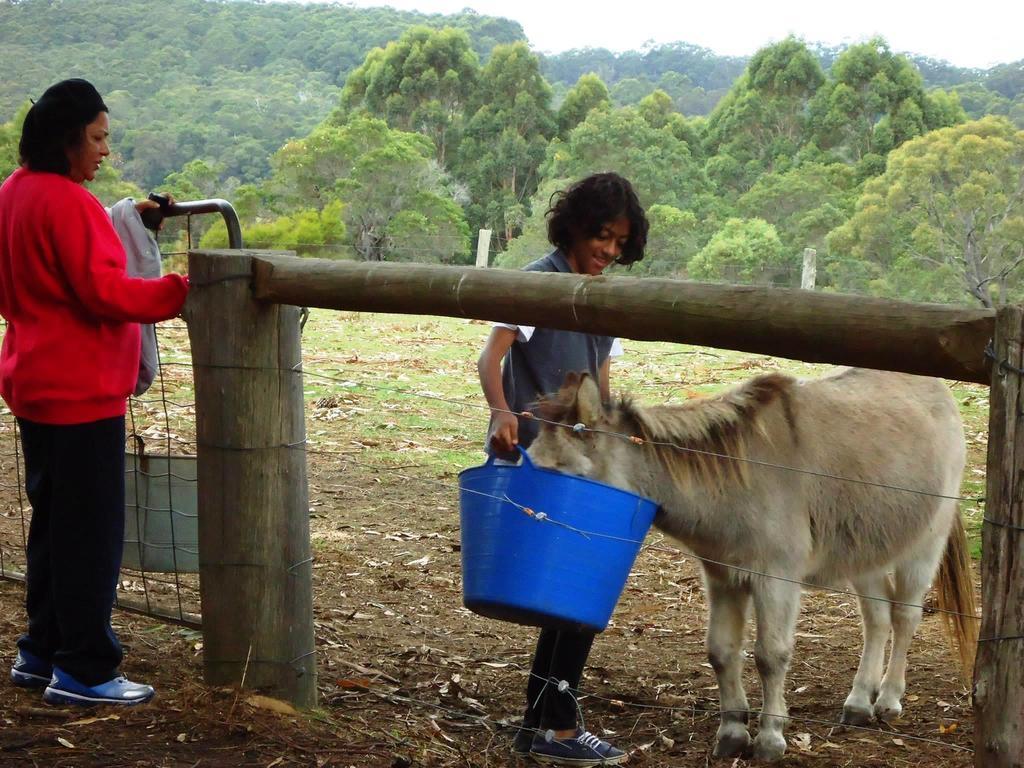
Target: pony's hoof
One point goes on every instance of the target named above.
(856, 716)
(887, 711)
(732, 744)
(769, 748)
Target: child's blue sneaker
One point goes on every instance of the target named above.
(29, 671)
(582, 749)
(64, 689)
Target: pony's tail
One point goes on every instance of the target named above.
(956, 599)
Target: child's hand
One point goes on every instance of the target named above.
(505, 432)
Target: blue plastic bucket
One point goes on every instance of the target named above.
(563, 566)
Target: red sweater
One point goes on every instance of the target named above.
(71, 351)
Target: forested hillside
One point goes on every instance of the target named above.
(187, 79)
(696, 78)
(381, 135)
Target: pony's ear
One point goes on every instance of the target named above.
(588, 400)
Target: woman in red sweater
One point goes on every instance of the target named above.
(70, 359)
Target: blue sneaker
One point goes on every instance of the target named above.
(582, 749)
(29, 671)
(64, 689)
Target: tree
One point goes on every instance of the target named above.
(391, 187)
(744, 250)
(657, 109)
(658, 164)
(1007, 79)
(198, 180)
(803, 203)
(505, 140)
(688, 98)
(421, 82)
(308, 232)
(630, 90)
(761, 123)
(946, 216)
(589, 93)
(671, 242)
(873, 101)
(10, 135)
(432, 229)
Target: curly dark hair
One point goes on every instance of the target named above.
(56, 123)
(584, 208)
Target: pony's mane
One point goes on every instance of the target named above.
(710, 428)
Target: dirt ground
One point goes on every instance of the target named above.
(408, 677)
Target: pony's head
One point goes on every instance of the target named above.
(588, 451)
(702, 442)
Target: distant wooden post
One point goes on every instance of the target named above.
(483, 248)
(254, 552)
(999, 670)
(810, 270)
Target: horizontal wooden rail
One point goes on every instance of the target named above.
(927, 339)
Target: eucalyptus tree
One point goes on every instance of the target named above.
(397, 203)
(587, 94)
(945, 221)
(762, 122)
(873, 101)
(505, 140)
(421, 82)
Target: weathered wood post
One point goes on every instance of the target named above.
(999, 670)
(254, 552)
(809, 274)
(483, 248)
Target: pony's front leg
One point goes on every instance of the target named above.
(776, 605)
(728, 606)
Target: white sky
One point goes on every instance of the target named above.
(968, 33)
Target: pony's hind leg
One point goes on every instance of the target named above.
(776, 605)
(912, 579)
(728, 604)
(876, 622)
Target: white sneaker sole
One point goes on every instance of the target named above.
(582, 762)
(28, 680)
(60, 696)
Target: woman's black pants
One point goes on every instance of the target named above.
(74, 477)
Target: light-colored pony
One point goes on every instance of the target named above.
(873, 426)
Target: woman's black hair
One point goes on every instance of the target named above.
(591, 203)
(56, 123)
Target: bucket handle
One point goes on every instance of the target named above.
(524, 458)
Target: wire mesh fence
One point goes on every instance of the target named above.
(159, 574)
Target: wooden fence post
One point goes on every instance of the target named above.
(999, 671)
(483, 248)
(810, 271)
(254, 552)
